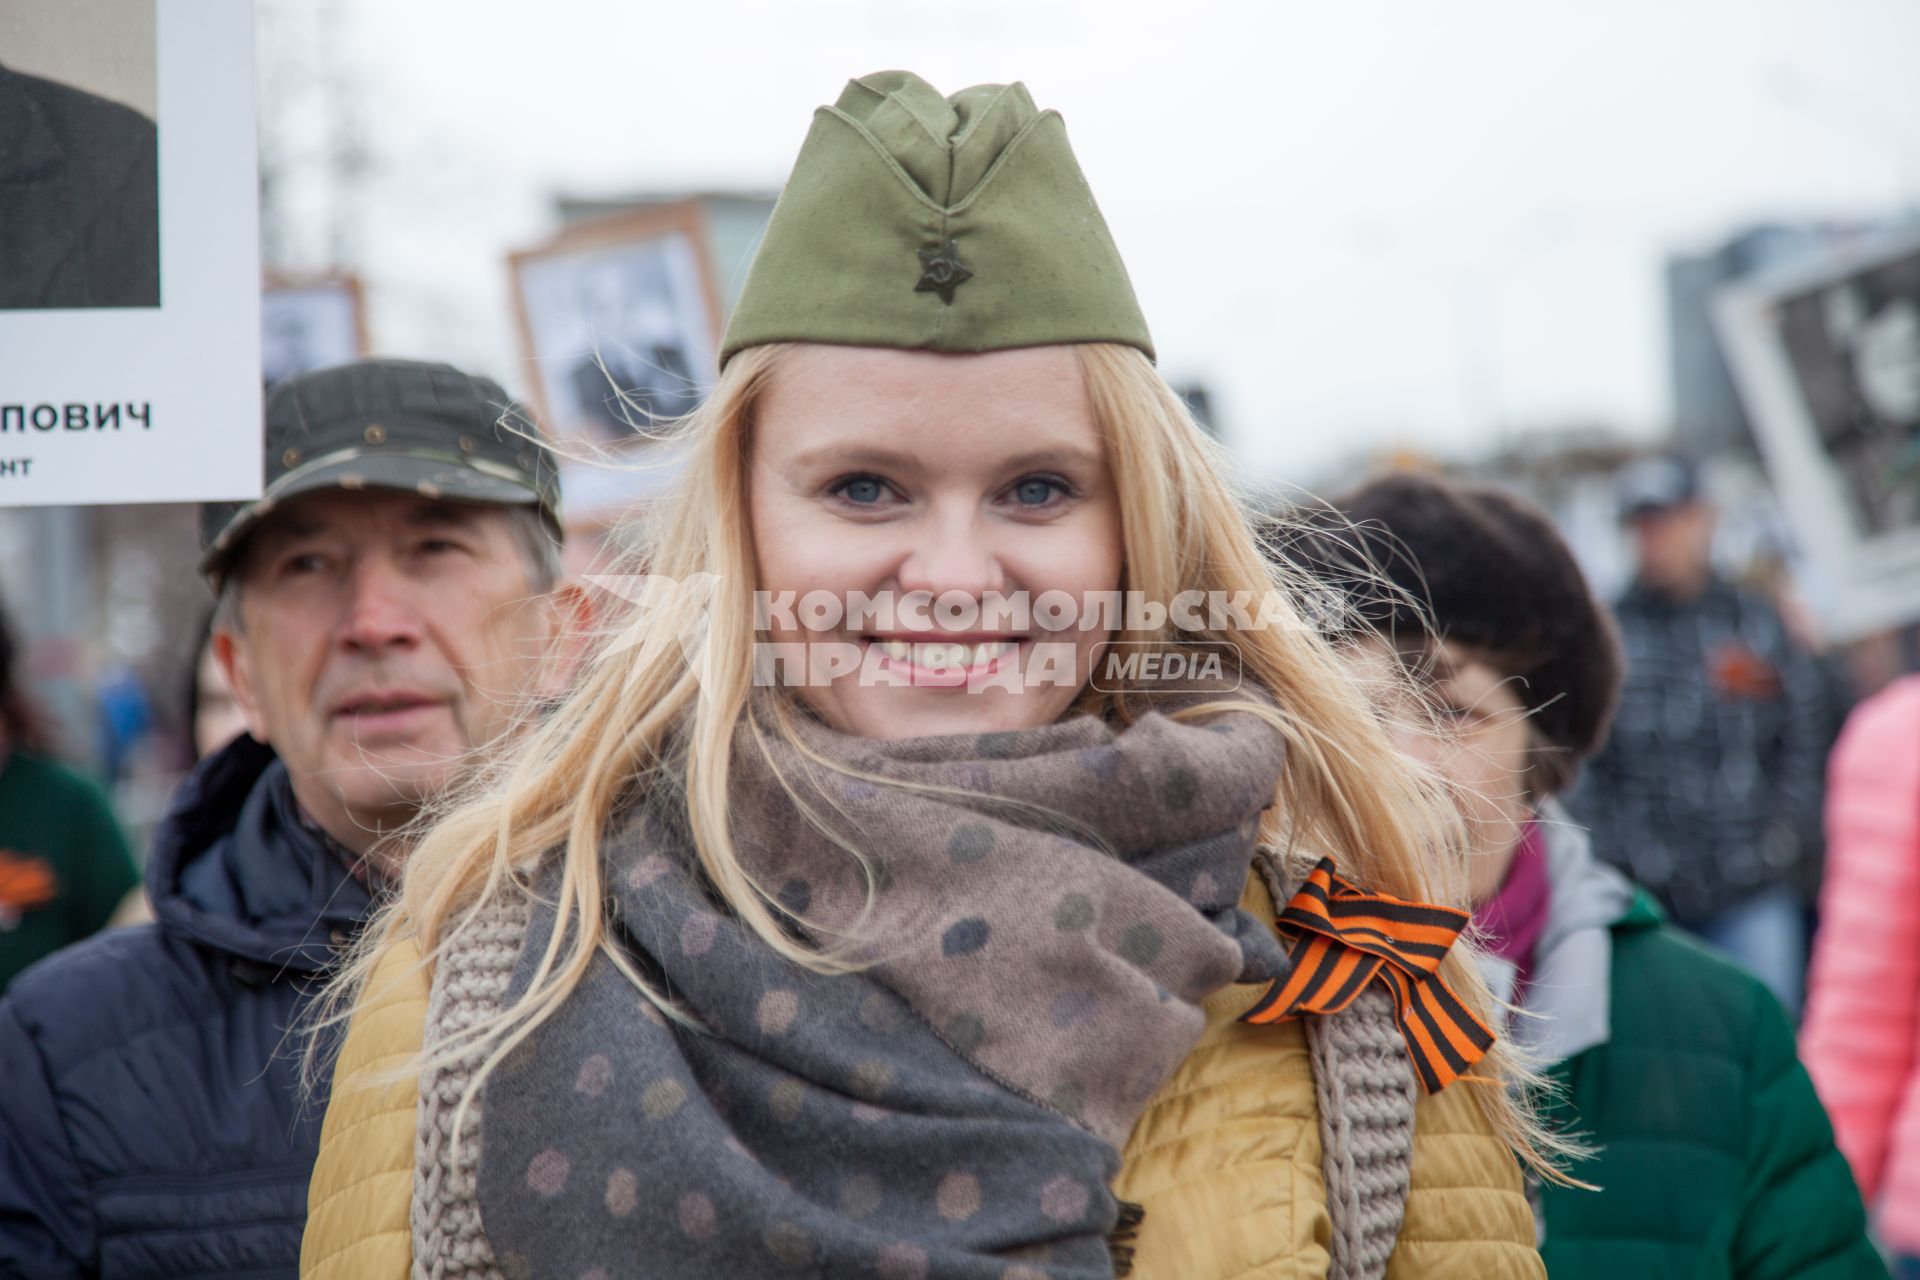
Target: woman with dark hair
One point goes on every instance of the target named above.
(1709, 1149)
(64, 864)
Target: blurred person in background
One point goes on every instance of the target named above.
(1862, 1032)
(1708, 791)
(125, 715)
(1710, 1150)
(381, 613)
(64, 864)
(213, 719)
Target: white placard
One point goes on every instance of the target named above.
(1827, 358)
(103, 399)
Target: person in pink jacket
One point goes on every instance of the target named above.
(1861, 1038)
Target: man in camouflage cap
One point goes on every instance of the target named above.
(384, 610)
(394, 425)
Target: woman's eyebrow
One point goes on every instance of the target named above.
(1060, 456)
(898, 461)
(857, 456)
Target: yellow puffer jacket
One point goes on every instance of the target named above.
(1226, 1159)
(362, 1188)
(1226, 1162)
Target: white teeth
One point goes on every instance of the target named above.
(944, 657)
(940, 657)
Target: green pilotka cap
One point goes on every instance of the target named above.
(936, 223)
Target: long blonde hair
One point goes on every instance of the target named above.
(668, 684)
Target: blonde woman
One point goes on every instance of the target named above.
(864, 911)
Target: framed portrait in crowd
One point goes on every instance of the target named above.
(620, 320)
(309, 323)
(1827, 358)
(129, 252)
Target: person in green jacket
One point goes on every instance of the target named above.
(1710, 1152)
(64, 864)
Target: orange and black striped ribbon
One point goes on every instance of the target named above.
(1343, 937)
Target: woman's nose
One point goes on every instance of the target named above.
(953, 555)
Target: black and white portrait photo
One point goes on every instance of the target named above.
(1855, 349)
(79, 171)
(620, 324)
(1826, 354)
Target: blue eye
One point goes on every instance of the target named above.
(1037, 491)
(862, 490)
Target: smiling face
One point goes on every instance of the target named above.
(381, 638)
(920, 474)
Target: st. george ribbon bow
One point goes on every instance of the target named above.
(1343, 937)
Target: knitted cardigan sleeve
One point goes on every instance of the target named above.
(1863, 991)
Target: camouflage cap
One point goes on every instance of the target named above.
(936, 223)
(398, 425)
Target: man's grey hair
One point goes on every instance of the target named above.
(538, 548)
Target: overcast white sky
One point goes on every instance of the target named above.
(1362, 224)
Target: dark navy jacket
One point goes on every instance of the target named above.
(151, 1120)
(1708, 789)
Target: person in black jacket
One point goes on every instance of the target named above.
(1708, 791)
(382, 616)
(79, 199)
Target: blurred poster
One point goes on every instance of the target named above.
(309, 324)
(619, 318)
(619, 321)
(1827, 358)
(129, 252)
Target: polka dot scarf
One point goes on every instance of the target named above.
(1038, 917)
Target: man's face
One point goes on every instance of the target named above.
(1673, 546)
(382, 637)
